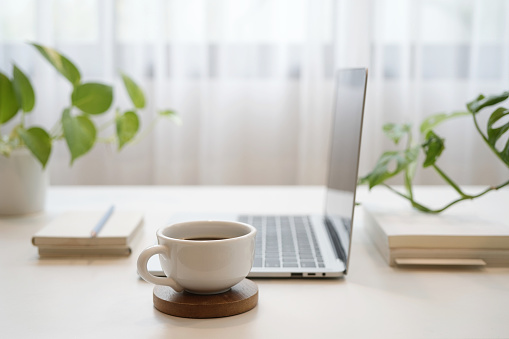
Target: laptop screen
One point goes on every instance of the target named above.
(344, 156)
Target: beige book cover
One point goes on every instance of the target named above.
(74, 228)
(458, 237)
(405, 227)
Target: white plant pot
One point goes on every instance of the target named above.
(23, 184)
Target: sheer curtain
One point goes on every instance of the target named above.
(434, 56)
(252, 80)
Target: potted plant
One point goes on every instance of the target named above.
(25, 150)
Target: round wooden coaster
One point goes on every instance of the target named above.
(241, 298)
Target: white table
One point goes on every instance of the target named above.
(97, 298)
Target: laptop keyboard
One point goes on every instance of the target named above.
(284, 241)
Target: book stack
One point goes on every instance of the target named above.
(473, 234)
(71, 234)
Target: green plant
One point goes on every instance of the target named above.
(76, 125)
(405, 161)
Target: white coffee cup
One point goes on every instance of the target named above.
(201, 257)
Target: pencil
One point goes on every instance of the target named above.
(102, 222)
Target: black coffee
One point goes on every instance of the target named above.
(204, 239)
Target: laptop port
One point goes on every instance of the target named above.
(296, 274)
(311, 274)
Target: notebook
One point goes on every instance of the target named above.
(312, 245)
(69, 234)
(475, 233)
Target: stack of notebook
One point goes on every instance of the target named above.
(89, 233)
(475, 233)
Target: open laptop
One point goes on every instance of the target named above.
(313, 245)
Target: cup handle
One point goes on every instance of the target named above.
(147, 276)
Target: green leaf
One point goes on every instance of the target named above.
(381, 172)
(495, 134)
(167, 113)
(434, 120)
(63, 65)
(134, 91)
(127, 127)
(38, 142)
(14, 135)
(396, 131)
(24, 91)
(92, 98)
(433, 147)
(80, 134)
(170, 114)
(8, 103)
(476, 105)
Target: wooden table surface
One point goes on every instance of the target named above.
(104, 298)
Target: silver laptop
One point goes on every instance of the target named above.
(314, 246)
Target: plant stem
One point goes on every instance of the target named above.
(423, 208)
(408, 184)
(106, 125)
(107, 140)
(412, 201)
(56, 130)
(450, 182)
(147, 130)
(409, 169)
(489, 189)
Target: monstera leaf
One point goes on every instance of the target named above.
(433, 147)
(434, 120)
(381, 172)
(396, 131)
(481, 101)
(497, 133)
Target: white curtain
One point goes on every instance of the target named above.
(252, 80)
(434, 56)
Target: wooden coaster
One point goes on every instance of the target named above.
(239, 299)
